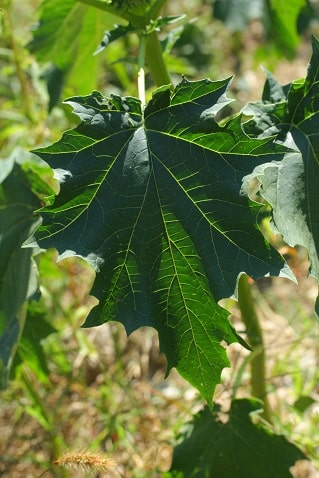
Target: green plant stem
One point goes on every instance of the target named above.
(155, 60)
(255, 338)
(141, 72)
(242, 369)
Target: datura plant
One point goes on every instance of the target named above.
(155, 194)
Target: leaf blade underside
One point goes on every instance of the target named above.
(291, 112)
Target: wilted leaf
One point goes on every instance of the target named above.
(152, 201)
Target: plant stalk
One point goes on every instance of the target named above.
(255, 339)
(155, 60)
(141, 72)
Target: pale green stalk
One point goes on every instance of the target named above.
(141, 72)
(255, 339)
(155, 60)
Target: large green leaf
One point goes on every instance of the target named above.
(18, 275)
(152, 201)
(237, 448)
(291, 186)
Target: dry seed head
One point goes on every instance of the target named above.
(85, 461)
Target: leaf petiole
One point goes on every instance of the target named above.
(141, 71)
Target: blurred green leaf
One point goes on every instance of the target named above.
(54, 78)
(303, 403)
(66, 35)
(236, 14)
(18, 275)
(279, 18)
(283, 21)
(30, 350)
(6, 166)
(119, 31)
(236, 448)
